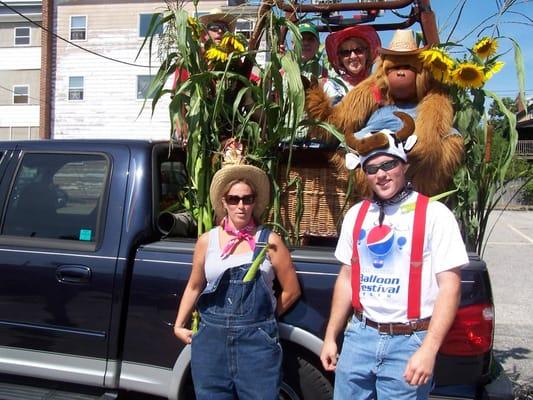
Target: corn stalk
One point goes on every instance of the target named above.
(219, 101)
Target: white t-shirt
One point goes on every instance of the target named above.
(385, 254)
(336, 90)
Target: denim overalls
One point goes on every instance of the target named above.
(236, 352)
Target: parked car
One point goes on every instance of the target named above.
(89, 286)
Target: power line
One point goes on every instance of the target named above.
(72, 43)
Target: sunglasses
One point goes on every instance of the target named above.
(385, 166)
(217, 26)
(247, 200)
(358, 51)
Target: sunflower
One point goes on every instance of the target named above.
(496, 67)
(215, 54)
(438, 62)
(486, 47)
(468, 75)
(195, 26)
(232, 44)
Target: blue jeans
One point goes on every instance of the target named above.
(371, 365)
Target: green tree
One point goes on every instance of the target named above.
(497, 118)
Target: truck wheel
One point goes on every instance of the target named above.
(302, 379)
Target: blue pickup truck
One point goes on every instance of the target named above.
(89, 285)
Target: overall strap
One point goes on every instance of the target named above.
(261, 241)
(356, 267)
(417, 258)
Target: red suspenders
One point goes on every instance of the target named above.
(356, 267)
(417, 257)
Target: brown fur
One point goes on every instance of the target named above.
(436, 155)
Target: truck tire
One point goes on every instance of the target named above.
(302, 378)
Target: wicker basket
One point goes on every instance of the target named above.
(323, 195)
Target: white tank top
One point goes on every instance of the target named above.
(215, 265)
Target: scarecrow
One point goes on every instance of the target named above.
(399, 83)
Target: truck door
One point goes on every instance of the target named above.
(59, 240)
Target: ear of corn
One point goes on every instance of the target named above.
(252, 271)
(195, 321)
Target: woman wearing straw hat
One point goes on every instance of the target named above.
(351, 53)
(217, 23)
(236, 349)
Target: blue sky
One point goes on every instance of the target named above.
(512, 24)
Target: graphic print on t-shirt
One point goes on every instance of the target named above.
(382, 247)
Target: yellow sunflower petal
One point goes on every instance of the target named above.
(195, 26)
(231, 44)
(468, 75)
(239, 47)
(438, 62)
(498, 65)
(225, 41)
(215, 54)
(486, 47)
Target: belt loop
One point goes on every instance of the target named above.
(413, 324)
(363, 319)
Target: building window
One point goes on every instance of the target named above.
(144, 24)
(21, 94)
(244, 26)
(143, 84)
(78, 28)
(22, 36)
(75, 88)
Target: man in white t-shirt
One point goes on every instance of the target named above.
(402, 284)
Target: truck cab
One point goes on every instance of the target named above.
(90, 286)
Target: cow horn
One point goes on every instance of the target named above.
(408, 125)
(368, 144)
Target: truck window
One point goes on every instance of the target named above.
(173, 179)
(57, 196)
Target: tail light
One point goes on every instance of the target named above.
(471, 333)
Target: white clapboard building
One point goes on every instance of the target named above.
(95, 83)
(20, 64)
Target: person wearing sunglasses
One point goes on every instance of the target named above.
(217, 23)
(236, 350)
(399, 283)
(351, 53)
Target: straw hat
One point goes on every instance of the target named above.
(403, 43)
(363, 32)
(217, 15)
(234, 168)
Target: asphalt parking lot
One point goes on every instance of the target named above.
(509, 257)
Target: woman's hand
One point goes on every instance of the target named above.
(194, 288)
(183, 334)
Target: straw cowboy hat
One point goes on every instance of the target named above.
(234, 168)
(363, 32)
(402, 43)
(217, 15)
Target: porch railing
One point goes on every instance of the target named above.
(524, 148)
